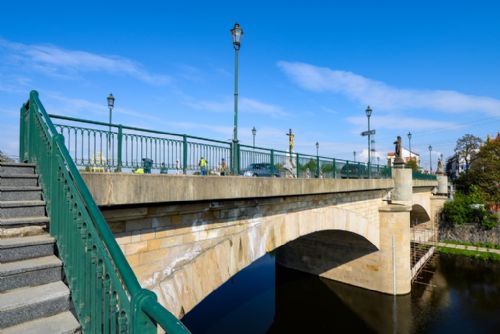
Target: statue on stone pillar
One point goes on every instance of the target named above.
(398, 158)
(440, 167)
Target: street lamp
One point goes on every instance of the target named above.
(409, 142)
(354, 154)
(254, 132)
(430, 158)
(317, 159)
(236, 34)
(111, 105)
(368, 112)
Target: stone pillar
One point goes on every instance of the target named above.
(395, 273)
(442, 188)
(437, 203)
(403, 186)
(350, 258)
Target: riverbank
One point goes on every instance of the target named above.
(470, 250)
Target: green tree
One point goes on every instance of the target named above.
(466, 148)
(412, 164)
(484, 173)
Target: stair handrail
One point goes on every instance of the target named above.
(144, 311)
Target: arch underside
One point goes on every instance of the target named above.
(419, 215)
(188, 284)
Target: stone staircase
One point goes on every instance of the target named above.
(33, 296)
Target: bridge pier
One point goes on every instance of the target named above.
(351, 259)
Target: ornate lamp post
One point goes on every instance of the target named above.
(409, 142)
(254, 132)
(111, 105)
(430, 158)
(317, 159)
(368, 112)
(236, 34)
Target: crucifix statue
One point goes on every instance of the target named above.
(291, 137)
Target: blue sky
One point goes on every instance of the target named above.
(429, 67)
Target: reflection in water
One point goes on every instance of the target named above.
(267, 298)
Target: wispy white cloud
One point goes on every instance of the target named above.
(401, 122)
(377, 93)
(54, 60)
(244, 105)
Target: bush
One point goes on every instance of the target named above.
(468, 209)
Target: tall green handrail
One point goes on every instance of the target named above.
(105, 291)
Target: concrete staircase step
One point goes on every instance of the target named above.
(29, 303)
(15, 180)
(62, 323)
(21, 248)
(16, 168)
(14, 209)
(31, 272)
(23, 221)
(23, 193)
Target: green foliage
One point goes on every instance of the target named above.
(469, 209)
(470, 253)
(484, 174)
(412, 164)
(454, 212)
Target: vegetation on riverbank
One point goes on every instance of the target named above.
(489, 245)
(470, 253)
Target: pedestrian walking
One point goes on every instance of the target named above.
(203, 166)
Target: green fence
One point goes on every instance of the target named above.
(106, 294)
(99, 146)
(421, 176)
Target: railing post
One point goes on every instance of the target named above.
(359, 170)
(297, 160)
(22, 131)
(120, 144)
(184, 154)
(347, 168)
(272, 162)
(334, 171)
(238, 158)
(141, 323)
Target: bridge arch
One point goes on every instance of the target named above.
(419, 215)
(188, 284)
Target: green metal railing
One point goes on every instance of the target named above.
(421, 176)
(106, 294)
(93, 146)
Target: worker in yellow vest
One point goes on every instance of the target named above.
(203, 166)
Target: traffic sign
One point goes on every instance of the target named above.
(366, 133)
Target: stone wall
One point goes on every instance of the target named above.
(184, 251)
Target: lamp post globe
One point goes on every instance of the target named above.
(236, 34)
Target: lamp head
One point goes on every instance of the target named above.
(368, 111)
(111, 101)
(237, 34)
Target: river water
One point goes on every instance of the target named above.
(460, 295)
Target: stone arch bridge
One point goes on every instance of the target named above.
(184, 236)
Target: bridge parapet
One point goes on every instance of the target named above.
(111, 189)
